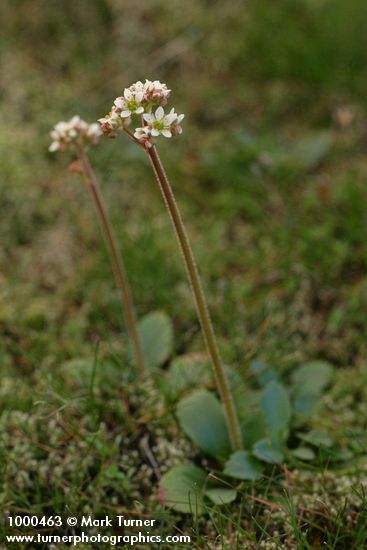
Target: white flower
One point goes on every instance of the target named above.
(144, 136)
(146, 100)
(156, 92)
(140, 98)
(112, 123)
(93, 130)
(137, 87)
(162, 124)
(131, 102)
(55, 146)
(74, 131)
(176, 126)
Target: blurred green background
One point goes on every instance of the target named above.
(270, 173)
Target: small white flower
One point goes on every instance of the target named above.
(131, 102)
(147, 100)
(162, 124)
(137, 87)
(93, 130)
(75, 131)
(144, 136)
(176, 126)
(156, 92)
(55, 146)
(112, 122)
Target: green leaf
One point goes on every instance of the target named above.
(156, 335)
(181, 488)
(312, 378)
(316, 438)
(264, 374)
(241, 465)
(342, 455)
(277, 410)
(303, 453)
(268, 452)
(202, 418)
(253, 428)
(184, 373)
(304, 405)
(220, 495)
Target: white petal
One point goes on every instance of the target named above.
(94, 130)
(128, 94)
(166, 133)
(159, 114)
(125, 114)
(55, 145)
(61, 127)
(142, 133)
(148, 117)
(139, 96)
(139, 110)
(120, 103)
(168, 119)
(155, 132)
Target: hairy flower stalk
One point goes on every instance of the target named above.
(147, 100)
(200, 301)
(79, 135)
(116, 259)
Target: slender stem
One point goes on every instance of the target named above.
(116, 259)
(200, 301)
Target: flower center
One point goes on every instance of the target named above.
(158, 125)
(133, 105)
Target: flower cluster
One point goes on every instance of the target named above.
(74, 132)
(113, 123)
(147, 100)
